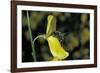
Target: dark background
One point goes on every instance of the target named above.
(74, 28)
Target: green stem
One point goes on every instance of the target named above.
(30, 33)
(39, 36)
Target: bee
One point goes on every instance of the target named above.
(59, 35)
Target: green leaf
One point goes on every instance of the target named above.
(51, 25)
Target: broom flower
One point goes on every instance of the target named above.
(56, 49)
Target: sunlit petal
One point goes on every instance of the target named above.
(56, 49)
(51, 25)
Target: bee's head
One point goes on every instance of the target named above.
(59, 35)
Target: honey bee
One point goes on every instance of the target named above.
(59, 35)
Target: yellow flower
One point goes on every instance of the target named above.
(56, 49)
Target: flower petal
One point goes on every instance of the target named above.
(56, 49)
(51, 26)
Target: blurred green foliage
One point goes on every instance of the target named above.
(72, 41)
(84, 36)
(75, 26)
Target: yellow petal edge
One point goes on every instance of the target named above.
(56, 49)
(51, 25)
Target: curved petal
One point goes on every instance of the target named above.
(51, 25)
(56, 49)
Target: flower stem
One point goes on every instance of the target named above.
(30, 33)
(39, 36)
